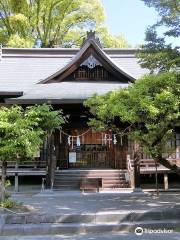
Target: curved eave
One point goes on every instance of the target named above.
(11, 94)
(41, 101)
(78, 57)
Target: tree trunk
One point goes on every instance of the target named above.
(137, 159)
(156, 178)
(3, 180)
(166, 163)
(51, 162)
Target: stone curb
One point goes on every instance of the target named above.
(45, 229)
(99, 217)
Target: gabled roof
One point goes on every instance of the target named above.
(91, 47)
(22, 69)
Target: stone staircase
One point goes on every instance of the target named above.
(87, 223)
(71, 179)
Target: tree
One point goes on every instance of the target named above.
(49, 23)
(75, 38)
(47, 20)
(156, 54)
(111, 41)
(149, 108)
(22, 133)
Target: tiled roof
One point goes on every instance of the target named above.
(21, 69)
(64, 91)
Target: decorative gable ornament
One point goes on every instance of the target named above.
(91, 62)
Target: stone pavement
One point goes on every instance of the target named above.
(77, 203)
(112, 236)
(97, 215)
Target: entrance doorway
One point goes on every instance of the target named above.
(90, 151)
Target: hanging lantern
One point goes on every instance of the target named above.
(114, 139)
(78, 142)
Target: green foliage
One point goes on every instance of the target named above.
(111, 41)
(8, 203)
(46, 118)
(22, 131)
(19, 42)
(47, 20)
(8, 183)
(63, 23)
(169, 12)
(156, 53)
(17, 136)
(150, 107)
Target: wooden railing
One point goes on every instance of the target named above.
(148, 164)
(26, 164)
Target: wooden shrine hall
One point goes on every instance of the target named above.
(65, 78)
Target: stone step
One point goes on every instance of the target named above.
(90, 170)
(98, 218)
(69, 179)
(66, 186)
(77, 228)
(77, 185)
(115, 185)
(89, 176)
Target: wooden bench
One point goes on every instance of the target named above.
(91, 184)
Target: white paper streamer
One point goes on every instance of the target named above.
(78, 142)
(114, 139)
(69, 140)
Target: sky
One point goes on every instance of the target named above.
(131, 18)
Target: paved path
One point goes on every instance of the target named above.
(131, 236)
(75, 202)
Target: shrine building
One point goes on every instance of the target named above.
(65, 78)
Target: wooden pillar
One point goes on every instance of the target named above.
(51, 162)
(166, 181)
(16, 179)
(137, 174)
(48, 166)
(120, 153)
(137, 159)
(16, 182)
